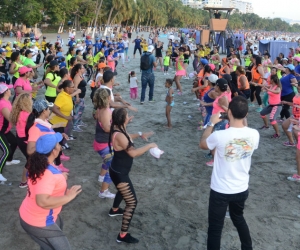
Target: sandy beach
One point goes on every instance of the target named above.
(172, 192)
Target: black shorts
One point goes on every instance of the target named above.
(129, 35)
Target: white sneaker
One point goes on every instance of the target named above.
(13, 162)
(164, 74)
(167, 73)
(101, 178)
(2, 178)
(106, 194)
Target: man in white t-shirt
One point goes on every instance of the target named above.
(232, 149)
(116, 100)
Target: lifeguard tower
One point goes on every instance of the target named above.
(218, 25)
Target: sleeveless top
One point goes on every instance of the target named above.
(82, 87)
(274, 99)
(207, 99)
(101, 136)
(240, 85)
(3, 68)
(256, 77)
(17, 74)
(296, 106)
(216, 107)
(121, 162)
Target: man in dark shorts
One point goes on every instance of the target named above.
(137, 46)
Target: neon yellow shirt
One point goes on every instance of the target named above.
(166, 60)
(9, 51)
(51, 92)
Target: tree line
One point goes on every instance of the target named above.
(171, 13)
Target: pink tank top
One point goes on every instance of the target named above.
(216, 107)
(274, 99)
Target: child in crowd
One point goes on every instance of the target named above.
(169, 101)
(132, 80)
(166, 63)
(144, 45)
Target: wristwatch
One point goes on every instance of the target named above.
(140, 133)
(210, 124)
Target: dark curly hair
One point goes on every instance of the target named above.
(36, 166)
(118, 120)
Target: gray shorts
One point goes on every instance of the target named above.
(274, 112)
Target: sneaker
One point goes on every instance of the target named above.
(275, 136)
(113, 213)
(13, 162)
(66, 146)
(251, 105)
(295, 177)
(164, 74)
(82, 124)
(259, 109)
(63, 157)
(142, 103)
(106, 194)
(2, 178)
(167, 73)
(210, 163)
(101, 178)
(264, 127)
(62, 168)
(77, 129)
(72, 138)
(23, 185)
(152, 100)
(288, 144)
(128, 239)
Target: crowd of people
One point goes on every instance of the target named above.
(44, 126)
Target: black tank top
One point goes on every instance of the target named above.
(4, 67)
(122, 161)
(101, 136)
(82, 87)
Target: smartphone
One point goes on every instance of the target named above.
(224, 116)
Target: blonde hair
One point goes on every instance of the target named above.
(22, 103)
(101, 97)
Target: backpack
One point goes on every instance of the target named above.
(145, 62)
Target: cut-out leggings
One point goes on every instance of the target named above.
(126, 192)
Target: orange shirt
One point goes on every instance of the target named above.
(256, 77)
(240, 85)
(207, 88)
(53, 183)
(296, 106)
(222, 71)
(37, 130)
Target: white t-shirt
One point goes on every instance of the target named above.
(111, 94)
(98, 76)
(133, 82)
(126, 43)
(232, 160)
(35, 51)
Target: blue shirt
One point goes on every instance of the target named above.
(88, 42)
(297, 70)
(121, 47)
(287, 87)
(62, 65)
(152, 60)
(71, 44)
(105, 51)
(97, 46)
(137, 43)
(115, 55)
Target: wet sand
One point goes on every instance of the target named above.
(172, 192)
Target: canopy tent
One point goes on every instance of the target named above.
(276, 47)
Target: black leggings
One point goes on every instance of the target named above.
(50, 98)
(139, 49)
(8, 144)
(126, 192)
(285, 108)
(257, 90)
(59, 130)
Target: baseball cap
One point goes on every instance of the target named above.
(297, 58)
(290, 66)
(213, 78)
(3, 50)
(285, 59)
(88, 37)
(101, 65)
(58, 36)
(204, 61)
(46, 143)
(222, 84)
(4, 87)
(291, 48)
(53, 63)
(212, 66)
(41, 104)
(150, 48)
(44, 37)
(23, 70)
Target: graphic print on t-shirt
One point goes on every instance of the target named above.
(238, 149)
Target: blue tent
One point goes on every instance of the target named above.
(276, 47)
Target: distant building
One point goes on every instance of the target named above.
(243, 7)
(193, 4)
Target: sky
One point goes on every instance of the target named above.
(267, 8)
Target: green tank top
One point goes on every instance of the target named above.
(17, 74)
